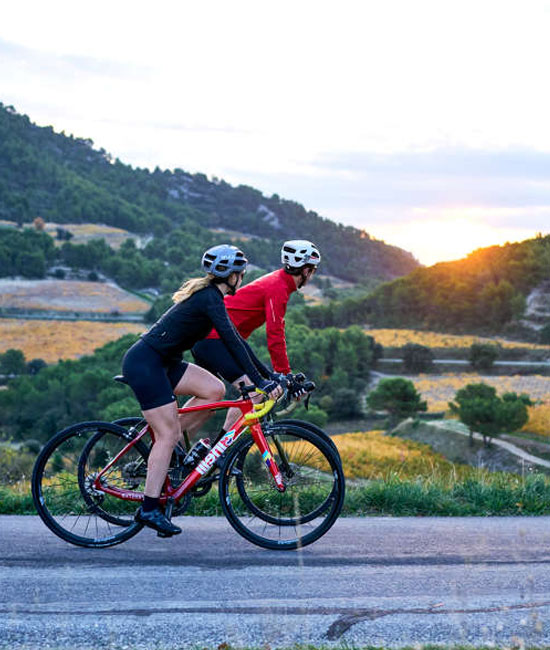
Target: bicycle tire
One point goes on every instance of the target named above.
(282, 521)
(56, 489)
(307, 425)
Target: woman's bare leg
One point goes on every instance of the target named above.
(234, 414)
(164, 422)
(168, 426)
(205, 388)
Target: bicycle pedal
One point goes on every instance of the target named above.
(159, 534)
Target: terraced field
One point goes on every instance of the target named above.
(373, 455)
(52, 340)
(68, 296)
(400, 337)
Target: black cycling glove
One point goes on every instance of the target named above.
(268, 386)
(296, 387)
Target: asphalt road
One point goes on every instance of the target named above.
(378, 581)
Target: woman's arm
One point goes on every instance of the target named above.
(262, 368)
(225, 328)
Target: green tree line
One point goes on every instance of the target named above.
(484, 292)
(164, 263)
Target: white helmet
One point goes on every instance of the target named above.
(299, 252)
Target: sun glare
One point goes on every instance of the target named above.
(450, 235)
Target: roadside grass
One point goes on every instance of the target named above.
(385, 475)
(481, 494)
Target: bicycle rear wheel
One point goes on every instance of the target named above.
(63, 491)
(315, 486)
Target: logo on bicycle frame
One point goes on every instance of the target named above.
(267, 458)
(216, 451)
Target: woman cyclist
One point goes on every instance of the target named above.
(262, 301)
(156, 371)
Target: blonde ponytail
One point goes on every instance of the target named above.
(190, 287)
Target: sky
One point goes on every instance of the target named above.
(424, 123)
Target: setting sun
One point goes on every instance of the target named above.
(448, 234)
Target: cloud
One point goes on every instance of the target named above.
(505, 183)
(454, 178)
(446, 162)
(58, 66)
(440, 204)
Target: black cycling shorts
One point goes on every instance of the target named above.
(213, 355)
(152, 377)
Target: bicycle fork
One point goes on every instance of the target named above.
(267, 456)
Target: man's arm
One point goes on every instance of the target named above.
(275, 310)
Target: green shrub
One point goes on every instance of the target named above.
(480, 408)
(15, 464)
(345, 404)
(483, 356)
(417, 358)
(397, 396)
(313, 414)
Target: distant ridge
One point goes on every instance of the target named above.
(494, 290)
(64, 179)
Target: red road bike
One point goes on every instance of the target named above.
(281, 484)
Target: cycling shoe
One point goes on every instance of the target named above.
(156, 520)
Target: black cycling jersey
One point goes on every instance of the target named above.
(189, 321)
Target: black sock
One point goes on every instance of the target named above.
(149, 503)
(220, 435)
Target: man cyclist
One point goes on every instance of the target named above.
(262, 301)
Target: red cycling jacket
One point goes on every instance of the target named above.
(263, 301)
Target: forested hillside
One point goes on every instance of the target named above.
(64, 179)
(484, 292)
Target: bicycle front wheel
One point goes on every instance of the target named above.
(309, 506)
(63, 484)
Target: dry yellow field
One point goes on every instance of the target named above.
(68, 295)
(53, 340)
(438, 390)
(398, 338)
(84, 232)
(372, 455)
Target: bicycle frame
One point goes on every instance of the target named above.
(249, 419)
